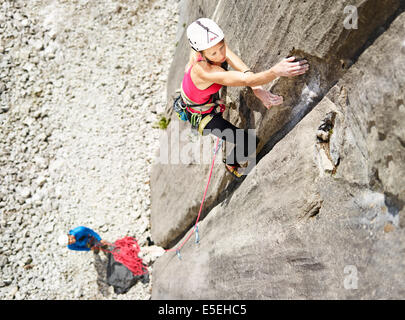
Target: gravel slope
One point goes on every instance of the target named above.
(81, 84)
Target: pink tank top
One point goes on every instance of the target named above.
(195, 94)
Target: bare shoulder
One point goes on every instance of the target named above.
(192, 60)
(202, 73)
(203, 67)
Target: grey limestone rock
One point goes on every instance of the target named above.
(289, 232)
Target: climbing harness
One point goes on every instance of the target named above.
(195, 229)
(182, 104)
(180, 109)
(203, 108)
(197, 236)
(199, 115)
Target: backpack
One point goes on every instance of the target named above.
(120, 277)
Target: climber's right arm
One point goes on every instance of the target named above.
(235, 78)
(285, 68)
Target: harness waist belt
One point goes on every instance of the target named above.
(195, 107)
(191, 110)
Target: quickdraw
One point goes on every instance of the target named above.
(180, 109)
(195, 119)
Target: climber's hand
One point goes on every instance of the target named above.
(267, 97)
(288, 67)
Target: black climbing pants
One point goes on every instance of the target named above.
(245, 143)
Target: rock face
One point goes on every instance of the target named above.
(321, 216)
(320, 32)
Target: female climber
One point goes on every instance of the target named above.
(206, 73)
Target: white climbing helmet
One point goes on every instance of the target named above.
(203, 34)
(63, 239)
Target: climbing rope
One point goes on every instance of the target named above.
(195, 229)
(126, 251)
